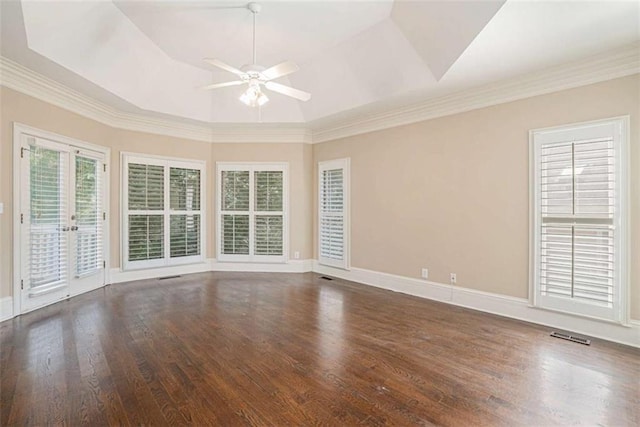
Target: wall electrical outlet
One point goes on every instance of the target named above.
(296, 255)
(453, 278)
(425, 273)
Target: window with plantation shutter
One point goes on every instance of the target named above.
(579, 249)
(252, 220)
(333, 226)
(163, 211)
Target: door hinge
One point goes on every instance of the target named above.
(22, 152)
(21, 218)
(22, 284)
(104, 216)
(104, 264)
(104, 167)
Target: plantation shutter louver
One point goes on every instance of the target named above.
(252, 212)
(48, 215)
(88, 212)
(332, 214)
(577, 200)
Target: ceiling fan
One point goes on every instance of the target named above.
(256, 76)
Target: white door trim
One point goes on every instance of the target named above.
(19, 130)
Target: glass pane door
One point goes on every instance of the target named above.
(45, 221)
(62, 220)
(87, 222)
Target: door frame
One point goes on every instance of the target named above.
(20, 130)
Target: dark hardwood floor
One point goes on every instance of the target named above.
(293, 349)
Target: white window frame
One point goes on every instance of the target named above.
(619, 313)
(345, 165)
(252, 167)
(167, 162)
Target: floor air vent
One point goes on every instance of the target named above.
(326, 278)
(168, 277)
(573, 338)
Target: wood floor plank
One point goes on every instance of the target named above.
(292, 349)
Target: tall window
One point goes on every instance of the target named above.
(579, 221)
(162, 211)
(252, 212)
(333, 213)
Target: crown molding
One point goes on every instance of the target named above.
(613, 64)
(24, 80)
(610, 65)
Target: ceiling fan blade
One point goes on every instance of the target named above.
(226, 67)
(225, 84)
(280, 70)
(289, 91)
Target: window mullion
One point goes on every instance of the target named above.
(167, 213)
(252, 195)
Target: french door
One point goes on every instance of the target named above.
(62, 221)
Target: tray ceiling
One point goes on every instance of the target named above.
(146, 56)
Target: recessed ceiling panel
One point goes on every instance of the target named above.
(373, 65)
(286, 30)
(96, 41)
(441, 30)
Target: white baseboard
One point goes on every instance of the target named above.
(6, 308)
(293, 266)
(118, 276)
(516, 308)
(211, 264)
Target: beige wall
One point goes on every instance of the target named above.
(451, 194)
(17, 107)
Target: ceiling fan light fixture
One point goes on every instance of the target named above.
(256, 75)
(253, 97)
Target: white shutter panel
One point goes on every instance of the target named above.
(185, 232)
(332, 215)
(235, 234)
(235, 190)
(88, 211)
(184, 189)
(185, 235)
(145, 195)
(268, 229)
(268, 235)
(48, 212)
(235, 208)
(577, 238)
(268, 191)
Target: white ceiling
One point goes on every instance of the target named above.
(353, 55)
